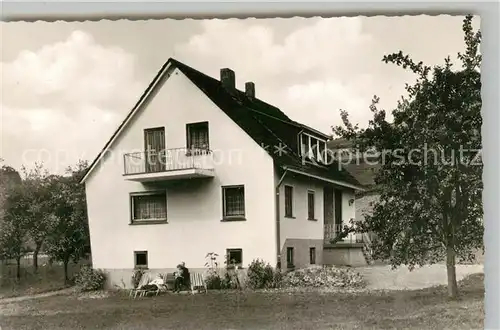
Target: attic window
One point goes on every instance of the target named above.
(313, 148)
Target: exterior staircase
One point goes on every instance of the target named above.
(367, 250)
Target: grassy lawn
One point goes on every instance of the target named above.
(48, 278)
(419, 309)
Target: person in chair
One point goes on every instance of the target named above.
(182, 277)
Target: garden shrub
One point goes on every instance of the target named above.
(261, 275)
(89, 279)
(325, 277)
(213, 280)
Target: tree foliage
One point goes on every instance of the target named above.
(44, 209)
(430, 177)
(68, 238)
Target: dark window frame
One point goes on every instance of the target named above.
(141, 266)
(338, 199)
(312, 255)
(311, 209)
(289, 201)
(228, 254)
(190, 127)
(133, 198)
(233, 217)
(289, 257)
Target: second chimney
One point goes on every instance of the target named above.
(250, 89)
(228, 78)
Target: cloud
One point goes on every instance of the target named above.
(315, 69)
(69, 96)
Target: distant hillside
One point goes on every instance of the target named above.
(362, 168)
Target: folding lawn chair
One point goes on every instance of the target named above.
(138, 291)
(197, 282)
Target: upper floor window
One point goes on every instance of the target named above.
(310, 205)
(288, 201)
(313, 148)
(197, 136)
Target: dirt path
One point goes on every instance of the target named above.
(383, 278)
(36, 296)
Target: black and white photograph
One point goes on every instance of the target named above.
(278, 173)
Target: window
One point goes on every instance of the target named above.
(148, 207)
(233, 200)
(197, 136)
(141, 259)
(313, 148)
(234, 257)
(310, 205)
(312, 255)
(338, 210)
(289, 201)
(289, 257)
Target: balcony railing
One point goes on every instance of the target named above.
(332, 231)
(145, 162)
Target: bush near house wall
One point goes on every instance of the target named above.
(89, 279)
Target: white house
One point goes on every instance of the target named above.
(198, 166)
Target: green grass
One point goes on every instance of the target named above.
(48, 278)
(420, 309)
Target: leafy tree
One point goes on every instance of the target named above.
(68, 238)
(13, 226)
(36, 188)
(9, 178)
(430, 178)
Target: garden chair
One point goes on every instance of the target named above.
(161, 287)
(145, 278)
(197, 282)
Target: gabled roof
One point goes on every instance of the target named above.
(267, 125)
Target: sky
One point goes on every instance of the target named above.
(66, 86)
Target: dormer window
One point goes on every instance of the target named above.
(313, 148)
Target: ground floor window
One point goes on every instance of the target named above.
(312, 255)
(289, 257)
(141, 259)
(233, 202)
(234, 257)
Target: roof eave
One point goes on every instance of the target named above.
(151, 87)
(322, 178)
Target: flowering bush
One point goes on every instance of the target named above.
(89, 279)
(326, 277)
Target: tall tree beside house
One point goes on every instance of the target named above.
(12, 218)
(36, 189)
(9, 178)
(430, 205)
(68, 238)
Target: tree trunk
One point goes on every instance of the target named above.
(451, 272)
(18, 271)
(35, 257)
(66, 279)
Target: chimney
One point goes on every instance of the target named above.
(250, 89)
(228, 79)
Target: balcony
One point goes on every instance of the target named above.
(331, 231)
(169, 164)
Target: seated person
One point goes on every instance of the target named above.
(154, 284)
(181, 277)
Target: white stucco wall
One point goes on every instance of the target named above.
(299, 227)
(195, 209)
